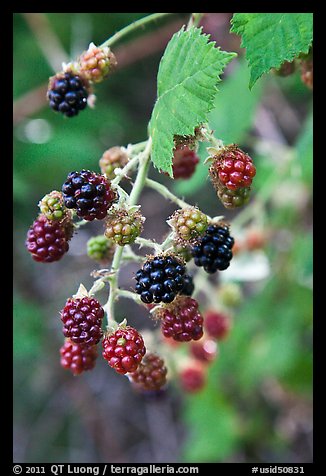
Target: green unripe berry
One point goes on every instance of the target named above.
(52, 206)
(100, 248)
(123, 227)
(188, 224)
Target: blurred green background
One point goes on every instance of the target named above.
(257, 404)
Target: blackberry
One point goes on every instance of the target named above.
(181, 320)
(96, 63)
(123, 226)
(188, 287)
(184, 162)
(217, 324)
(213, 250)
(100, 248)
(47, 241)
(82, 319)
(232, 167)
(90, 194)
(68, 93)
(151, 373)
(286, 69)
(160, 279)
(193, 377)
(233, 198)
(78, 357)
(124, 349)
(188, 224)
(52, 207)
(112, 158)
(205, 350)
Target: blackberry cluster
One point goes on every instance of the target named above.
(213, 250)
(89, 193)
(160, 279)
(82, 319)
(67, 93)
(112, 158)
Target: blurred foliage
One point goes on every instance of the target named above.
(270, 342)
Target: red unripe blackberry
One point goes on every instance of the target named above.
(184, 162)
(216, 324)
(232, 167)
(77, 357)
(193, 377)
(204, 350)
(286, 69)
(67, 93)
(47, 241)
(82, 319)
(151, 373)
(90, 194)
(307, 75)
(96, 63)
(124, 349)
(182, 320)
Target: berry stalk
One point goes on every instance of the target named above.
(144, 161)
(132, 27)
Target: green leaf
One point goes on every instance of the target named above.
(272, 38)
(186, 87)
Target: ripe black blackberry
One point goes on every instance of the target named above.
(67, 93)
(160, 279)
(89, 193)
(188, 287)
(213, 250)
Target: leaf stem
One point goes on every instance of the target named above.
(132, 27)
(194, 20)
(165, 192)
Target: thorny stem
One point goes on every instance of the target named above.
(133, 199)
(132, 27)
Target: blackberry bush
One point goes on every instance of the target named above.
(188, 77)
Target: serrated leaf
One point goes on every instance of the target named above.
(186, 86)
(272, 38)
